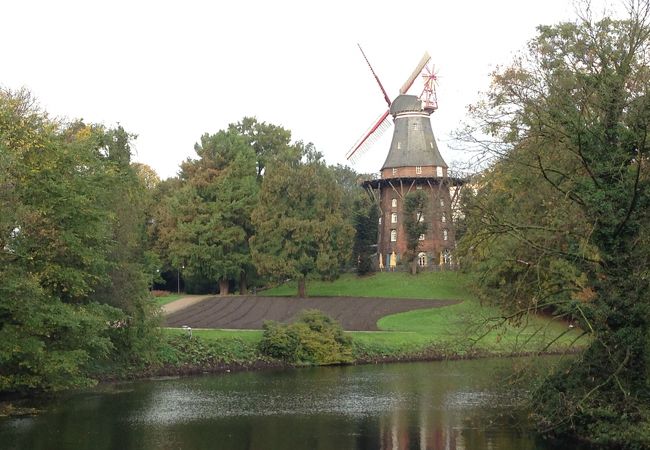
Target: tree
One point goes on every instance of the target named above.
(561, 216)
(299, 227)
(212, 211)
(61, 231)
(366, 218)
(414, 225)
(268, 141)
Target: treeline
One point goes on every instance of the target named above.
(255, 208)
(85, 233)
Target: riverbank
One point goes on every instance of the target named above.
(462, 330)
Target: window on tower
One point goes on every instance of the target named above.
(393, 203)
(422, 259)
(443, 218)
(445, 235)
(420, 216)
(393, 218)
(439, 171)
(422, 237)
(393, 235)
(418, 170)
(394, 171)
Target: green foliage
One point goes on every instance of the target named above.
(47, 345)
(269, 142)
(181, 350)
(299, 227)
(313, 339)
(414, 224)
(72, 242)
(211, 212)
(366, 218)
(560, 219)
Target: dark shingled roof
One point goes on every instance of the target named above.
(413, 141)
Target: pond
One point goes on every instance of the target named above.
(450, 405)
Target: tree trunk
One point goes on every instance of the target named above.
(243, 287)
(414, 267)
(223, 286)
(302, 288)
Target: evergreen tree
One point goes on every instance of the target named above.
(212, 211)
(366, 218)
(299, 227)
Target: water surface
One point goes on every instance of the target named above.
(437, 405)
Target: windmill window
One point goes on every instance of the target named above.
(380, 221)
(416, 126)
(445, 235)
(420, 216)
(421, 238)
(443, 218)
(439, 171)
(399, 146)
(419, 188)
(393, 218)
(422, 259)
(442, 203)
(393, 235)
(431, 144)
(393, 203)
(418, 169)
(394, 171)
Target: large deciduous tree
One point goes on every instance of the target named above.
(560, 219)
(300, 231)
(62, 229)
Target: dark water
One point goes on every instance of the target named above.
(440, 405)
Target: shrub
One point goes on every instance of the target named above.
(314, 339)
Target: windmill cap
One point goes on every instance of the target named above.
(406, 103)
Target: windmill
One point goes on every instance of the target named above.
(383, 123)
(413, 163)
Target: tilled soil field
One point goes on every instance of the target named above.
(248, 312)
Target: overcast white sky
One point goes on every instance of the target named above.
(171, 71)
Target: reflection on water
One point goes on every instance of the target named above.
(442, 405)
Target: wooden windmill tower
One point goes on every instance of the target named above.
(413, 163)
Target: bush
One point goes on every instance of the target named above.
(314, 339)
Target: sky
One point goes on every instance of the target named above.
(172, 71)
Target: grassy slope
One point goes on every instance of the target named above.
(458, 329)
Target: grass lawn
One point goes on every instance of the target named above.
(457, 329)
(429, 285)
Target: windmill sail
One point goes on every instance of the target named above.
(369, 137)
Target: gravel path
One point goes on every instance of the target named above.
(250, 312)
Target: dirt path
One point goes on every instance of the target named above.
(249, 312)
(183, 303)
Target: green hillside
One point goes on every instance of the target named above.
(467, 328)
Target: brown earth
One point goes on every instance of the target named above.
(250, 312)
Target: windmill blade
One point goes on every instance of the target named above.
(369, 137)
(409, 82)
(381, 86)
